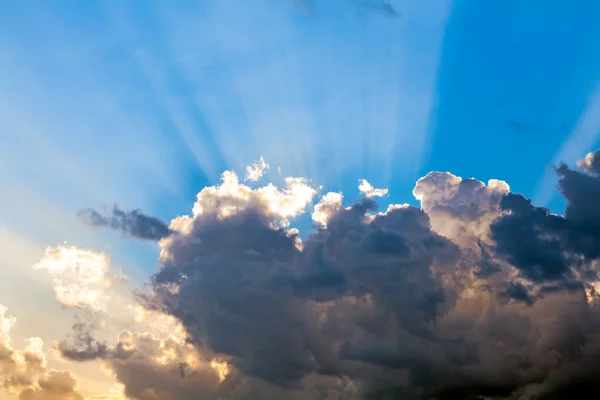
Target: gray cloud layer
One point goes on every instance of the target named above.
(132, 223)
(477, 294)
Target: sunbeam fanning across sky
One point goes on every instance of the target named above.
(342, 86)
(249, 199)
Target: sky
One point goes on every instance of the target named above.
(118, 120)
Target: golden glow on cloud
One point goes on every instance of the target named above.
(221, 368)
(80, 276)
(153, 356)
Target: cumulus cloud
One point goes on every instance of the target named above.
(231, 197)
(25, 373)
(255, 171)
(133, 223)
(553, 252)
(477, 293)
(56, 385)
(231, 278)
(369, 191)
(153, 368)
(80, 276)
(590, 163)
(328, 206)
(460, 209)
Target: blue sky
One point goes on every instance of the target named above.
(143, 103)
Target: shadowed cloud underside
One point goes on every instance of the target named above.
(477, 293)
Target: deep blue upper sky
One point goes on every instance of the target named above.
(143, 103)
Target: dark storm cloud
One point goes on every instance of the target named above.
(245, 290)
(582, 193)
(477, 294)
(533, 240)
(550, 248)
(132, 223)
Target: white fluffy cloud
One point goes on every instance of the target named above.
(231, 197)
(327, 207)
(369, 191)
(255, 171)
(80, 276)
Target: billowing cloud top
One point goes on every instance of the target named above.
(475, 294)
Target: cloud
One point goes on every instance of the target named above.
(79, 276)
(329, 204)
(25, 373)
(460, 209)
(82, 346)
(582, 138)
(56, 385)
(132, 223)
(255, 171)
(382, 7)
(590, 163)
(18, 369)
(554, 252)
(476, 293)
(369, 191)
(360, 298)
(152, 368)
(231, 197)
(231, 278)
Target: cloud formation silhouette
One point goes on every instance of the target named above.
(475, 294)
